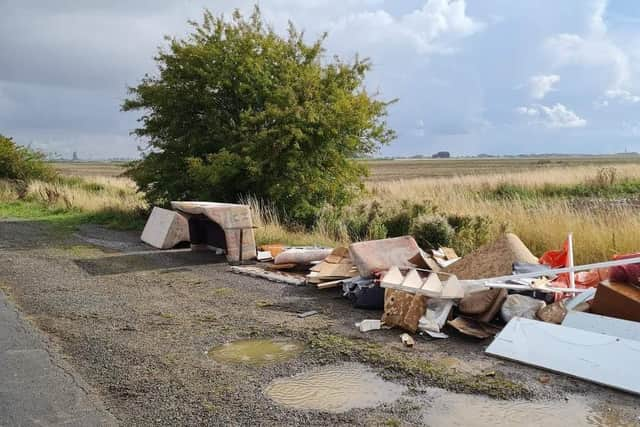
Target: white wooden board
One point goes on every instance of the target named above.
(603, 359)
(603, 325)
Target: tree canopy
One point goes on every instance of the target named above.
(236, 109)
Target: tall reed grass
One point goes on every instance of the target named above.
(601, 227)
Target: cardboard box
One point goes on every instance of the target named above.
(620, 300)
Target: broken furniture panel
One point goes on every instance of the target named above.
(222, 225)
(165, 229)
(603, 359)
(334, 268)
(403, 309)
(422, 282)
(620, 300)
(380, 255)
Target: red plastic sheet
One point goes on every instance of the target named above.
(583, 279)
(556, 259)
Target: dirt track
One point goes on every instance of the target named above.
(136, 325)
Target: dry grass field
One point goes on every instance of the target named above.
(89, 168)
(539, 199)
(384, 170)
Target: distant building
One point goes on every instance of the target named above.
(441, 155)
(75, 157)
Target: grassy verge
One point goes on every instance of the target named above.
(67, 202)
(69, 218)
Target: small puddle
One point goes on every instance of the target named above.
(334, 389)
(451, 409)
(256, 352)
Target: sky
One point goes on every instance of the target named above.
(471, 77)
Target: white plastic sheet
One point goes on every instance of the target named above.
(603, 359)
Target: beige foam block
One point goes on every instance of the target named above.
(452, 288)
(393, 278)
(432, 287)
(165, 229)
(412, 280)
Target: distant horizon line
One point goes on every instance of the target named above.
(407, 157)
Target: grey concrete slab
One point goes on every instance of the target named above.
(37, 386)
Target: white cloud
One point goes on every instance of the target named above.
(555, 116)
(593, 49)
(540, 85)
(622, 95)
(572, 49)
(429, 29)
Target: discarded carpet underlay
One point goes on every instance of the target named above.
(493, 260)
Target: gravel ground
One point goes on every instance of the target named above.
(136, 324)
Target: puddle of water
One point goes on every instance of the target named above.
(334, 389)
(256, 352)
(451, 409)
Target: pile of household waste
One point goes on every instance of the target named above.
(542, 311)
(547, 312)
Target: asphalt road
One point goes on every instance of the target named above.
(38, 387)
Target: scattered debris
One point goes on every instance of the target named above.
(473, 327)
(425, 261)
(516, 305)
(307, 314)
(552, 313)
(281, 266)
(439, 335)
(363, 293)
(581, 298)
(407, 340)
(423, 282)
(483, 305)
(603, 359)
(380, 255)
(542, 304)
(301, 256)
(625, 273)
(494, 259)
(435, 317)
(445, 257)
(165, 229)
(336, 267)
(274, 248)
(369, 325)
(269, 275)
(620, 300)
(264, 256)
(403, 310)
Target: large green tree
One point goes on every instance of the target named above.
(237, 109)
